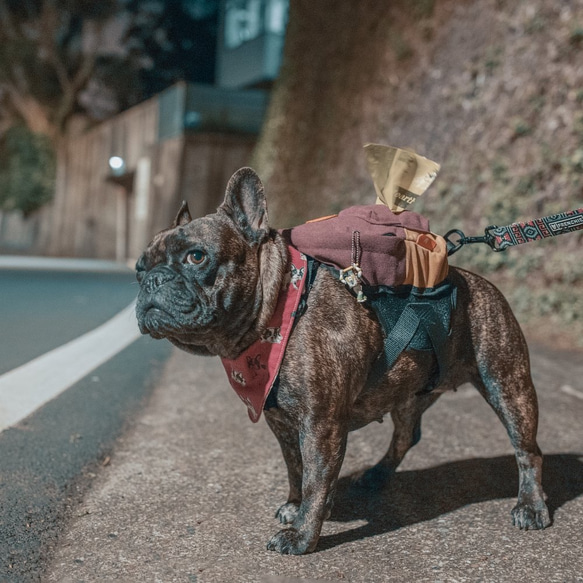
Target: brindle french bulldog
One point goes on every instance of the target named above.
(210, 286)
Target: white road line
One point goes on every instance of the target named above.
(568, 390)
(29, 263)
(26, 388)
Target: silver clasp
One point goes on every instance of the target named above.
(351, 277)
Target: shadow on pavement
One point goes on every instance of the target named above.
(421, 495)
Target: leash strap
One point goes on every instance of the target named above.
(500, 238)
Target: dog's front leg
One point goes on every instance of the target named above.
(322, 447)
(289, 441)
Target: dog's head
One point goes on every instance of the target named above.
(201, 282)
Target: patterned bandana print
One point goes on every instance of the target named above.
(536, 229)
(253, 373)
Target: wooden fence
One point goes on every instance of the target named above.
(99, 213)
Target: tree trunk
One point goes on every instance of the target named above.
(325, 107)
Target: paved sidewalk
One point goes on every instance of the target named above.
(191, 491)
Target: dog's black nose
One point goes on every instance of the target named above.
(157, 278)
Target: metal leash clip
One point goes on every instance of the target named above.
(456, 239)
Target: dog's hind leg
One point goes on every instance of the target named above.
(511, 394)
(495, 352)
(407, 433)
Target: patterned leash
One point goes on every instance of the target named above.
(500, 238)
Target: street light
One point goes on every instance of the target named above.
(117, 165)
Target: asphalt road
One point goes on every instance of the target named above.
(192, 488)
(48, 458)
(42, 309)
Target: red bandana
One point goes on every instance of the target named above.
(253, 372)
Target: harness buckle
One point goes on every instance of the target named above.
(351, 277)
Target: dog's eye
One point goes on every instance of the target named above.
(195, 258)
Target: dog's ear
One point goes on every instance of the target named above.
(183, 217)
(245, 204)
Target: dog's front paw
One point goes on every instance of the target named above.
(531, 516)
(291, 542)
(287, 513)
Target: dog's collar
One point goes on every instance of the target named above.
(253, 372)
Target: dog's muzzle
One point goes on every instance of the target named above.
(167, 305)
(156, 278)
(154, 309)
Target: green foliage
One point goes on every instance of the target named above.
(543, 281)
(565, 267)
(402, 48)
(561, 303)
(536, 24)
(576, 37)
(522, 128)
(423, 8)
(27, 170)
(493, 58)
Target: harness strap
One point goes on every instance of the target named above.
(415, 315)
(430, 320)
(313, 265)
(399, 338)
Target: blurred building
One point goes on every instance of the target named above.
(251, 44)
(123, 180)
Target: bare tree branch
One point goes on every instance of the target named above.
(69, 98)
(29, 109)
(19, 77)
(48, 25)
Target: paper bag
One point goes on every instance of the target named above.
(400, 176)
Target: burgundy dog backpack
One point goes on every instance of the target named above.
(394, 265)
(392, 249)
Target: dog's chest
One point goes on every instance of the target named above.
(253, 373)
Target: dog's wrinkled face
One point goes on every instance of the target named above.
(199, 278)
